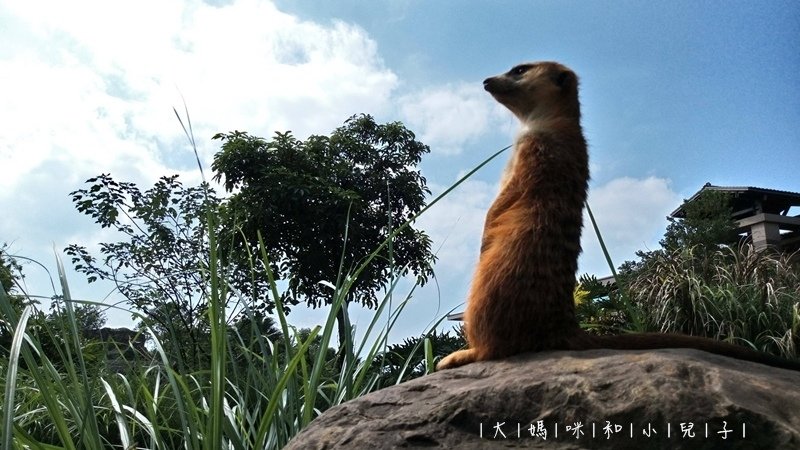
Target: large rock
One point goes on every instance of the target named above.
(628, 399)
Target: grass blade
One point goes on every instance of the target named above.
(122, 425)
(11, 377)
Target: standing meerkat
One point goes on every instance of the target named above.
(521, 297)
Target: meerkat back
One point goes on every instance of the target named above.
(521, 295)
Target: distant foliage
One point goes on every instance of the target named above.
(599, 307)
(10, 274)
(50, 328)
(707, 223)
(10, 270)
(162, 265)
(702, 282)
(735, 294)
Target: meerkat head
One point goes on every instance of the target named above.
(540, 90)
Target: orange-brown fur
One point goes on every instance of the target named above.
(521, 295)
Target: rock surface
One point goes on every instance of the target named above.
(627, 399)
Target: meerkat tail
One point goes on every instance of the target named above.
(651, 341)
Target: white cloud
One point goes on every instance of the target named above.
(631, 214)
(97, 89)
(452, 115)
(455, 225)
(88, 87)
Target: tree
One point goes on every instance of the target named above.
(324, 204)
(161, 267)
(707, 222)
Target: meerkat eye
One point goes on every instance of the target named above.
(519, 70)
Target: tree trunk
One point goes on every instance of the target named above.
(345, 337)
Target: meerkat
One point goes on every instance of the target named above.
(521, 296)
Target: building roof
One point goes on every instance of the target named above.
(744, 197)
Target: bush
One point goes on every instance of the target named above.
(736, 294)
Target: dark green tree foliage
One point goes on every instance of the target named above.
(87, 317)
(160, 266)
(325, 201)
(707, 223)
(706, 226)
(10, 273)
(406, 360)
(248, 345)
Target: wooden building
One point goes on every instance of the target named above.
(762, 215)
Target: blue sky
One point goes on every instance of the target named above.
(674, 94)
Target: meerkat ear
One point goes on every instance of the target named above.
(564, 79)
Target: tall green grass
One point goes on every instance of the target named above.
(282, 388)
(736, 294)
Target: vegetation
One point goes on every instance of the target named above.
(707, 224)
(8, 268)
(271, 384)
(600, 308)
(48, 328)
(162, 268)
(411, 358)
(227, 371)
(702, 282)
(734, 294)
(264, 380)
(306, 198)
(302, 199)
